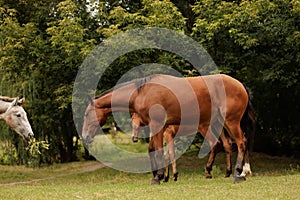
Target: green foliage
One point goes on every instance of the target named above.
(41, 64)
(35, 149)
(258, 42)
(8, 154)
(150, 13)
(123, 17)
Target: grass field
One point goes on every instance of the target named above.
(273, 178)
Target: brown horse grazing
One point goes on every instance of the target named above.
(12, 112)
(169, 135)
(164, 100)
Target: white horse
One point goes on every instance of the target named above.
(12, 112)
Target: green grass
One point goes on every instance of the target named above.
(274, 178)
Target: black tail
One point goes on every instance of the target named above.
(248, 123)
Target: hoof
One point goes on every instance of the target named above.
(237, 179)
(159, 177)
(135, 139)
(166, 179)
(228, 173)
(208, 176)
(175, 177)
(155, 182)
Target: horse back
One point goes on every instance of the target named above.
(220, 93)
(213, 93)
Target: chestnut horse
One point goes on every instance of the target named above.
(163, 100)
(169, 135)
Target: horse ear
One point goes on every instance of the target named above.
(91, 100)
(13, 103)
(21, 101)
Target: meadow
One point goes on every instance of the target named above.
(273, 178)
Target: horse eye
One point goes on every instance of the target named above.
(18, 115)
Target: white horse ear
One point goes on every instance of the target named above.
(21, 101)
(14, 103)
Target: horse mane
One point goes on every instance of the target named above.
(6, 99)
(139, 83)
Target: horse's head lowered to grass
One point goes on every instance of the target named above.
(91, 124)
(15, 117)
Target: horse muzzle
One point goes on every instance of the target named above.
(28, 136)
(87, 139)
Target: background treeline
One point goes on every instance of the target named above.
(43, 43)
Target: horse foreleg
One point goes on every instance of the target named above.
(209, 145)
(211, 160)
(135, 131)
(167, 160)
(159, 170)
(151, 156)
(169, 136)
(156, 157)
(172, 157)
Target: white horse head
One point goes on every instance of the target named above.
(16, 118)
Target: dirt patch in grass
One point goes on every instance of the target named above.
(62, 172)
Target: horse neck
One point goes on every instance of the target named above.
(3, 106)
(122, 98)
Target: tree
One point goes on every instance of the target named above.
(251, 40)
(42, 64)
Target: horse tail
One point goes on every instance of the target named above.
(248, 123)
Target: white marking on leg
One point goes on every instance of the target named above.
(246, 169)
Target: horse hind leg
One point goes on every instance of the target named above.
(241, 144)
(246, 170)
(238, 173)
(246, 167)
(235, 131)
(227, 143)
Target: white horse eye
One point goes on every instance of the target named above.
(18, 115)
